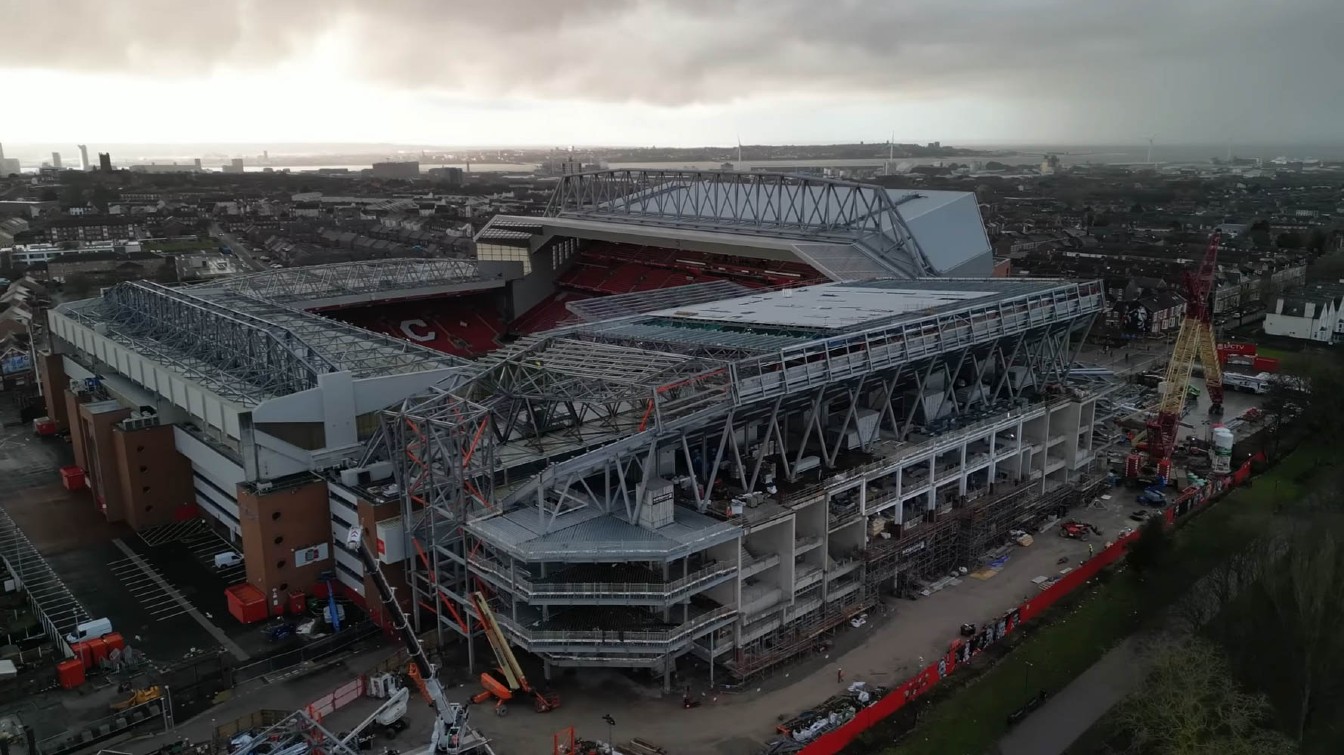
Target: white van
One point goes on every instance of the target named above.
(227, 560)
(89, 630)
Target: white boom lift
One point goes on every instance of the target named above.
(452, 735)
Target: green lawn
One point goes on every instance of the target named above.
(1289, 361)
(971, 719)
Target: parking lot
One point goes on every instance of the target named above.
(148, 588)
(203, 543)
(166, 599)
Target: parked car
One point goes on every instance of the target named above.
(1152, 497)
(1141, 515)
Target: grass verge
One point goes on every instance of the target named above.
(971, 718)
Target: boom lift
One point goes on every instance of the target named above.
(390, 718)
(1195, 341)
(514, 680)
(451, 734)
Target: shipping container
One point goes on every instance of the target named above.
(72, 478)
(246, 603)
(114, 641)
(1266, 364)
(70, 673)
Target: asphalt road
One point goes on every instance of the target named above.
(239, 247)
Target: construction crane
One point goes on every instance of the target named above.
(451, 735)
(1195, 341)
(514, 680)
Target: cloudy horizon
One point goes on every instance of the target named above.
(672, 72)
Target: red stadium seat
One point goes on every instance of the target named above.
(466, 326)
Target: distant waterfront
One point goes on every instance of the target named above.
(1012, 154)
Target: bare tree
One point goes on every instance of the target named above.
(1303, 592)
(1190, 704)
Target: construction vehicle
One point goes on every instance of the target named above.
(451, 734)
(1075, 530)
(138, 697)
(1195, 341)
(514, 681)
(390, 719)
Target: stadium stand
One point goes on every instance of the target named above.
(466, 326)
(550, 313)
(606, 268)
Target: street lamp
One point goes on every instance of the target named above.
(1026, 680)
(611, 724)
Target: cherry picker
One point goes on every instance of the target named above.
(451, 735)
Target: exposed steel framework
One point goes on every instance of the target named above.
(768, 204)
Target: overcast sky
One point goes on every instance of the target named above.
(671, 72)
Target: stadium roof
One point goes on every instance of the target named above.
(640, 302)
(352, 283)
(849, 231)
(241, 347)
(604, 384)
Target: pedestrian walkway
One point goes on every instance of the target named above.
(1056, 725)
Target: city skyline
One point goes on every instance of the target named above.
(673, 74)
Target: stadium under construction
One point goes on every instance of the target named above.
(727, 469)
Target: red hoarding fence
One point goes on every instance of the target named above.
(835, 740)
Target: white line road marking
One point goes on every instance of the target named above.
(187, 607)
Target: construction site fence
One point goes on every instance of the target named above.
(336, 699)
(262, 719)
(1190, 500)
(309, 653)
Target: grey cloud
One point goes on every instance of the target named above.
(1198, 59)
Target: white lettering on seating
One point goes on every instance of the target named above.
(406, 326)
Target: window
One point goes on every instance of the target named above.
(281, 564)
(279, 539)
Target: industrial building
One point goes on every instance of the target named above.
(403, 169)
(726, 469)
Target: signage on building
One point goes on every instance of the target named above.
(15, 362)
(305, 556)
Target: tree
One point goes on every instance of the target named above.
(78, 285)
(1259, 233)
(73, 196)
(167, 272)
(1152, 547)
(1280, 630)
(1327, 268)
(1303, 595)
(1288, 240)
(1317, 240)
(1320, 393)
(1190, 704)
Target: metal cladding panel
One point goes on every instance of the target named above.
(948, 227)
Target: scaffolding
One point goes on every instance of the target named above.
(798, 637)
